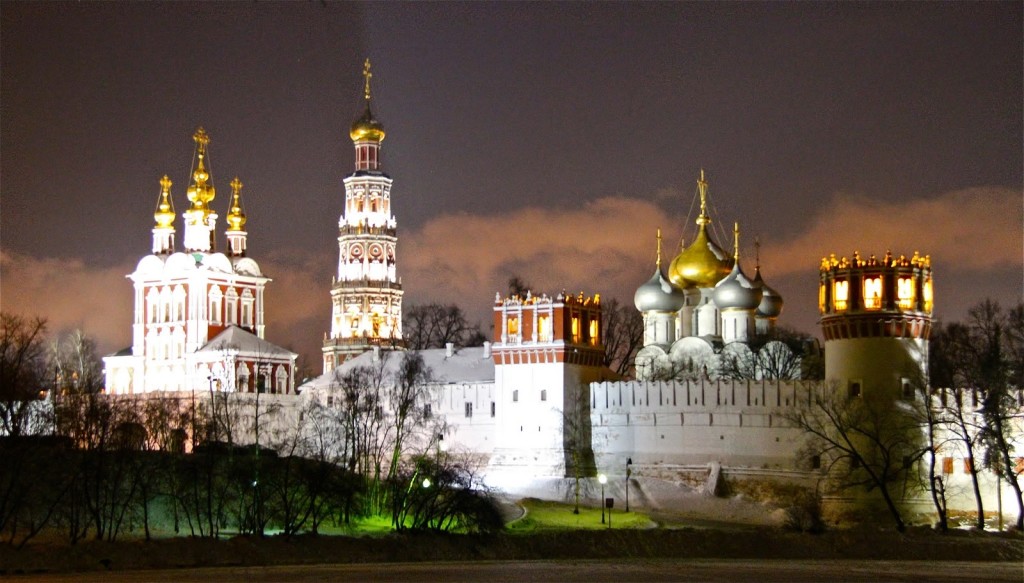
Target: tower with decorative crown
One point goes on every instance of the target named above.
(366, 294)
(199, 319)
(876, 317)
(546, 353)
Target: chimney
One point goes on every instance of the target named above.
(487, 349)
(449, 349)
(376, 354)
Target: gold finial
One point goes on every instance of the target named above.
(202, 139)
(236, 216)
(757, 252)
(201, 193)
(702, 188)
(659, 248)
(736, 241)
(367, 75)
(164, 214)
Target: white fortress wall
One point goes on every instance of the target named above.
(469, 429)
(736, 423)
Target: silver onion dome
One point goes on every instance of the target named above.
(771, 301)
(659, 295)
(736, 291)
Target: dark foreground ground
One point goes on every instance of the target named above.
(951, 554)
(795, 571)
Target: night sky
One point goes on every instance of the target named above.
(543, 140)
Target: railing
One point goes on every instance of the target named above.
(365, 340)
(365, 230)
(358, 283)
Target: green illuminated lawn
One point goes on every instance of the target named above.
(370, 525)
(544, 515)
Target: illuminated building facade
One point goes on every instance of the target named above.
(876, 317)
(703, 316)
(199, 317)
(366, 294)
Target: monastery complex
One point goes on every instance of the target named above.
(535, 404)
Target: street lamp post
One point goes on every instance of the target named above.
(601, 478)
(629, 470)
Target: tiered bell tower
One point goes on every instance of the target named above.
(366, 294)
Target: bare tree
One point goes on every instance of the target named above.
(517, 286)
(435, 325)
(22, 370)
(981, 360)
(932, 418)
(866, 444)
(577, 440)
(623, 336)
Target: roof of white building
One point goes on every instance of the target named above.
(247, 343)
(465, 365)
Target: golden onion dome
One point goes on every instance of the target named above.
(702, 264)
(367, 128)
(201, 193)
(236, 216)
(164, 214)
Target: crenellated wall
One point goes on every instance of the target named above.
(740, 424)
(737, 423)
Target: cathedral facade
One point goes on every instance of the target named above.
(198, 320)
(708, 319)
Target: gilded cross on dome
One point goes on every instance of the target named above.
(736, 241)
(659, 247)
(164, 214)
(200, 193)
(202, 139)
(236, 216)
(702, 187)
(367, 75)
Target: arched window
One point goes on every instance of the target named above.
(247, 305)
(544, 329)
(873, 293)
(905, 292)
(152, 306)
(165, 346)
(282, 380)
(179, 304)
(215, 302)
(841, 293)
(152, 345)
(165, 305)
(178, 341)
(512, 326)
(242, 376)
(231, 306)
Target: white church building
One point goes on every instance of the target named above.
(198, 321)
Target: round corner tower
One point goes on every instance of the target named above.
(876, 317)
